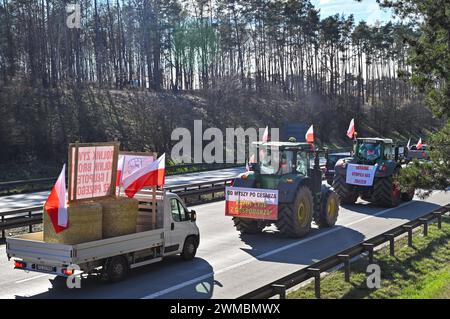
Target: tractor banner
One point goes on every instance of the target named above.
(251, 203)
(361, 175)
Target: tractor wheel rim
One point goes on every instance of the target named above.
(331, 207)
(301, 213)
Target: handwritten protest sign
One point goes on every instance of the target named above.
(361, 175)
(93, 169)
(251, 203)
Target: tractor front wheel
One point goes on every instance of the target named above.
(247, 226)
(329, 210)
(294, 220)
(344, 191)
(387, 191)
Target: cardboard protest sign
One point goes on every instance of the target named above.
(92, 170)
(361, 175)
(251, 203)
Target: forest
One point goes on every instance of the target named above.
(137, 69)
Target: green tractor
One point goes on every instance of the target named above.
(371, 173)
(301, 196)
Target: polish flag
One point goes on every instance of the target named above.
(56, 205)
(119, 169)
(265, 137)
(252, 160)
(151, 175)
(351, 129)
(419, 144)
(310, 135)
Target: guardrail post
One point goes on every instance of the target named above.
(280, 290)
(346, 260)
(391, 238)
(3, 231)
(424, 221)
(30, 227)
(316, 274)
(409, 229)
(438, 215)
(369, 248)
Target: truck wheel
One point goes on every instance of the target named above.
(116, 269)
(387, 192)
(189, 248)
(344, 191)
(294, 220)
(247, 226)
(329, 210)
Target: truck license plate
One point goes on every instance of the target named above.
(44, 268)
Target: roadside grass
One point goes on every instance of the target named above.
(418, 272)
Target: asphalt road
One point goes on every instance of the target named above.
(38, 198)
(227, 265)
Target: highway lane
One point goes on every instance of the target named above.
(38, 198)
(227, 264)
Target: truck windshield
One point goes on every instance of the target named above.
(369, 151)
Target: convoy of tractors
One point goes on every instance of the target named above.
(370, 171)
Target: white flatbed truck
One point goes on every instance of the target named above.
(172, 230)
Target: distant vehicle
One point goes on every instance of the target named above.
(331, 163)
(371, 173)
(176, 232)
(422, 154)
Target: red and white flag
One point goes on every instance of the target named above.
(151, 175)
(265, 137)
(419, 144)
(120, 164)
(309, 137)
(56, 204)
(351, 129)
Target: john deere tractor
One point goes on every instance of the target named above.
(301, 196)
(383, 159)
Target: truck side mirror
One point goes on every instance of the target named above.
(193, 216)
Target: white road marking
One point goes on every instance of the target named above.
(266, 254)
(32, 278)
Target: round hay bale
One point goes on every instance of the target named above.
(119, 216)
(85, 224)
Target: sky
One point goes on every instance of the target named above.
(367, 10)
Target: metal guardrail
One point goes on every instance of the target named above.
(42, 184)
(344, 258)
(190, 193)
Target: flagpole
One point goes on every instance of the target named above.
(121, 174)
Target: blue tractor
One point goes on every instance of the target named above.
(384, 159)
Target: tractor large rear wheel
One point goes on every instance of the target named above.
(247, 226)
(344, 190)
(386, 191)
(329, 209)
(294, 220)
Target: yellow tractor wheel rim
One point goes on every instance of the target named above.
(301, 213)
(331, 207)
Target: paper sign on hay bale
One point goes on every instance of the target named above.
(92, 175)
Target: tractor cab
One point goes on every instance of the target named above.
(283, 158)
(282, 162)
(373, 150)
